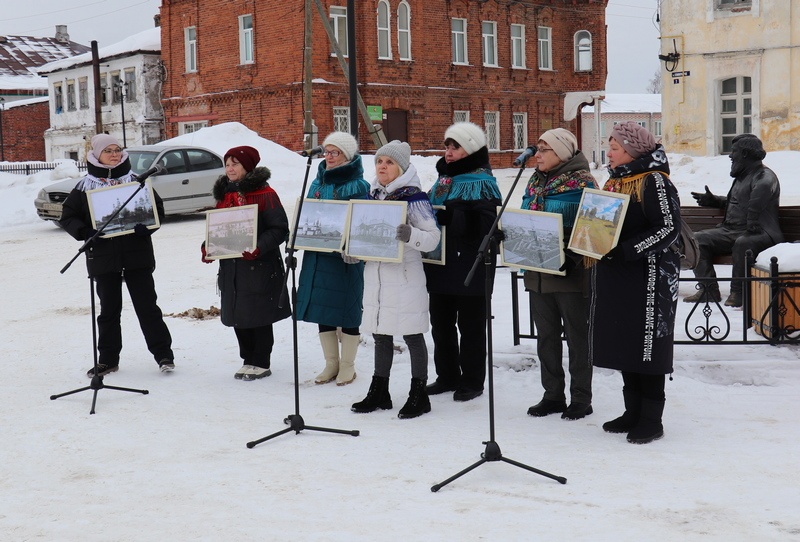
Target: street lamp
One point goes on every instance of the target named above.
(2, 145)
(121, 85)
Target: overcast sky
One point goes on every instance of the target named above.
(632, 35)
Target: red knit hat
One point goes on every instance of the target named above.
(247, 156)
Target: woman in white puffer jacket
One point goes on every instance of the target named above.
(395, 297)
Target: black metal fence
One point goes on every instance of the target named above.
(29, 168)
(769, 314)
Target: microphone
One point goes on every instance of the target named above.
(527, 153)
(157, 169)
(313, 152)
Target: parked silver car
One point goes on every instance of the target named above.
(185, 188)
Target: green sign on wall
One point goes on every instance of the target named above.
(375, 112)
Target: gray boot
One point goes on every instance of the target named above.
(347, 361)
(330, 349)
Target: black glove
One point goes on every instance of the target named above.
(291, 262)
(570, 261)
(615, 253)
(403, 233)
(141, 229)
(754, 229)
(499, 236)
(88, 233)
(444, 216)
(706, 199)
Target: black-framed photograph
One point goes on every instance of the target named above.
(231, 231)
(436, 256)
(534, 240)
(103, 202)
(373, 228)
(322, 225)
(599, 222)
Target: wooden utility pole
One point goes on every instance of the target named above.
(308, 122)
(98, 104)
(375, 130)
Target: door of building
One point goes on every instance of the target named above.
(395, 124)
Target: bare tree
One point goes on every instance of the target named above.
(656, 84)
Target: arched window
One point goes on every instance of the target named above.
(583, 51)
(404, 31)
(384, 40)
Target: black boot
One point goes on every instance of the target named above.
(629, 419)
(418, 402)
(377, 397)
(649, 427)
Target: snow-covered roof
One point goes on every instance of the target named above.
(628, 103)
(148, 41)
(20, 55)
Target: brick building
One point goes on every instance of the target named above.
(22, 127)
(505, 65)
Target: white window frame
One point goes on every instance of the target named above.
(657, 128)
(247, 49)
(742, 115)
(130, 85)
(116, 89)
(103, 89)
(518, 46)
(191, 127)
(545, 38)
(583, 51)
(338, 20)
(404, 31)
(519, 120)
(491, 125)
(459, 38)
(83, 93)
(58, 98)
(190, 48)
(71, 103)
(460, 116)
(384, 19)
(341, 119)
(489, 39)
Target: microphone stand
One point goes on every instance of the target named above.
(295, 421)
(485, 253)
(97, 381)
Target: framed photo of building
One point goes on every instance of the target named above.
(436, 256)
(599, 222)
(372, 230)
(231, 231)
(322, 225)
(534, 240)
(103, 202)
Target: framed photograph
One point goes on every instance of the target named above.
(534, 240)
(231, 231)
(322, 225)
(599, 222)
(103, 202)
(436, 256)
(372, 229)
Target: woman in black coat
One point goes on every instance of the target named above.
(109, 260)
(251, 286)
(634, 288)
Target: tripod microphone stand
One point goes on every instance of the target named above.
(295, 421)
(485, 253)
(97, 381)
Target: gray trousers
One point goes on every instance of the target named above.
(724, 241)
(417, 349)
(552, 314)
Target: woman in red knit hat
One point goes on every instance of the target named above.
(251, 286)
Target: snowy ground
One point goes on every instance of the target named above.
(173, 464)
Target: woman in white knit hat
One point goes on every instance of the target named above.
(112, 259)
(330, 289)
(559, 304)
(395, 299)
(470, 196)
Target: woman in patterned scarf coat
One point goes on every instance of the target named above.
(559, 304)
(634, 288)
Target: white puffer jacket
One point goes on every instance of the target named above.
(395, 296)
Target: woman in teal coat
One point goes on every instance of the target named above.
(331, 289)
